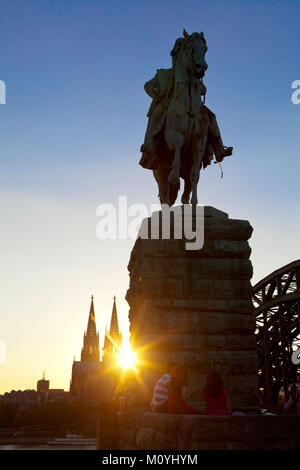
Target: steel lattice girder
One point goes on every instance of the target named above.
(276, 300)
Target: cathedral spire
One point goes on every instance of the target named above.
(113, 338)
(114, 324)
(90, 351)
(91, 327)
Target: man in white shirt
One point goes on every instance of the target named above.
(159, 401)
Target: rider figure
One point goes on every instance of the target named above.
(160, 89)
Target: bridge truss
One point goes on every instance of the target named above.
(276, 300)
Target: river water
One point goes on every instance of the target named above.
(45, 447)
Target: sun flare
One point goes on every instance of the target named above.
(127, 358)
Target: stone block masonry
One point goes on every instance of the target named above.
(195, 307)
(141, 429)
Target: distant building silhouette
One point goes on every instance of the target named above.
(26, 399)
(58, 394)
(43, 385)
(91, 378)
(23, 399)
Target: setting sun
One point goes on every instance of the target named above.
(127, 358)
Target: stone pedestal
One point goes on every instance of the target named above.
(194, 307)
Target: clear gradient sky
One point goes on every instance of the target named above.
(69, 140)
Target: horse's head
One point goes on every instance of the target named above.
(192, 49)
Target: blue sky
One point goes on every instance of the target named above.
(70, 135)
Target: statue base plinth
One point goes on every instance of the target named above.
(195, 307)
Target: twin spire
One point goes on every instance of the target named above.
(91, 327)
(114, 324)
(113, 337)
(90, 351)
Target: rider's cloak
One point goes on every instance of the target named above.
(161, 88)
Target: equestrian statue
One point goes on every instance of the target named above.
(182, 135)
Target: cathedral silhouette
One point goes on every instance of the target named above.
(92, 378)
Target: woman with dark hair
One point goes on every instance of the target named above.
(215, 395)
(178, 393)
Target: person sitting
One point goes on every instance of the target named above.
(178, 393)
(281, 397)
(215, 395)
(159, 401)
(290, 407)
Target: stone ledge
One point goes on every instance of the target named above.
(164, 432)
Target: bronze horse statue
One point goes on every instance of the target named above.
(182, 133)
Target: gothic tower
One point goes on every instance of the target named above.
(90, 351)
(113, 338)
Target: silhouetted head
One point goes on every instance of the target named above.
(179, 378)
(214, 384)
